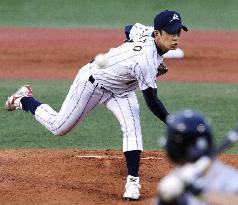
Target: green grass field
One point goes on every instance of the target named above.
(218, 101)
(20, 130)
(197, 14)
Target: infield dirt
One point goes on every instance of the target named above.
(67, 177)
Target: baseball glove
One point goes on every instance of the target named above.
(161, 70)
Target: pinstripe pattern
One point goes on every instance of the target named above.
(148, 59)
(122, 60)
(75, 106)
(142, 78)
(95, 103)
(126, 109)
(73, 93)
(60, 126)
(133, 120)
(118, 54)
(42, 119)
(124, 120)
(132, 61)
(49, 113)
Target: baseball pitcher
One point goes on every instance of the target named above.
(111, 80)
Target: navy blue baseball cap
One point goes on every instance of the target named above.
(169, 21)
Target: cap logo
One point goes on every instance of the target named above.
(175, 17)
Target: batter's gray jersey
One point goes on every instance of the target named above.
(133, 64)
(219, 178)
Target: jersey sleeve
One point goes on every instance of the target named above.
(134, 32)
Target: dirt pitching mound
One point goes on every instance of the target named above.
(69, 177)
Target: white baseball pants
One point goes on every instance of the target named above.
(82, 97)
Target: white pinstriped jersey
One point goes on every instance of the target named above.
(131, 65)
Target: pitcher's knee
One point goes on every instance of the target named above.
(59, 132)
(59, 129)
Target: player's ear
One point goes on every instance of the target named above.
(157, 33)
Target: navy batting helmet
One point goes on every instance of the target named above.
(189, 136)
